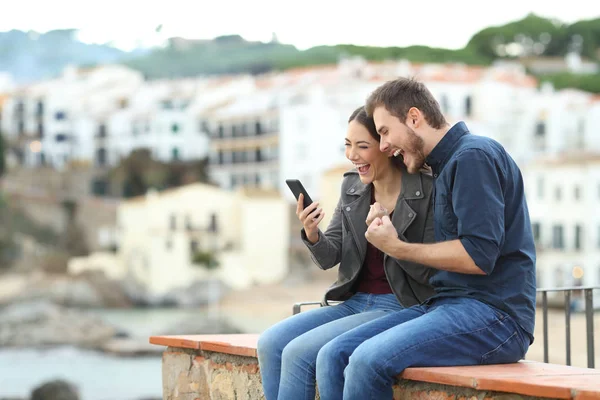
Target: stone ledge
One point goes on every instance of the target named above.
(232, 359)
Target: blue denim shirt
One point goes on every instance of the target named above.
(479, 199)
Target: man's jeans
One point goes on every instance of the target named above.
(362, 363)
(287, 352)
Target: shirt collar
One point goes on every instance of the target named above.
(440, 153)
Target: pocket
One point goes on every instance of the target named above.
(506, 332)
(447, 223)
(509, 351)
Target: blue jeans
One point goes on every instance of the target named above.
(364, 362)
(287, 352)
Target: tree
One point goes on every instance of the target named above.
(139, 172)
(533, 35)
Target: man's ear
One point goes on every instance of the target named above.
(414, 117)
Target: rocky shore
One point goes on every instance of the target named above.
(39, 311)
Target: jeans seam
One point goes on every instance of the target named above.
(380, 369)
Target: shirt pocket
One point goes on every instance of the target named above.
(445, 222)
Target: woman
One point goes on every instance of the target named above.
(370, 283)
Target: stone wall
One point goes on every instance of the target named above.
(195, 374)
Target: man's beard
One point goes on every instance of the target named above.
(417, 154)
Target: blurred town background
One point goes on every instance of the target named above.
(143, 177)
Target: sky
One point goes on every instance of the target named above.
(304, 23)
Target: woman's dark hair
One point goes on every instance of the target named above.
(360, 115)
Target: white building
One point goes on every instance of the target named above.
(563, 193)
(245, 136)
(99, 116)
(247, 231)
(55, 122)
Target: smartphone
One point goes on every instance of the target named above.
(296, 187)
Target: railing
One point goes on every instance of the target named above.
(588, 294)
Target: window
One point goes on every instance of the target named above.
(468, 106)
(204, 126)
(175, 154)
(577, 192)
(221, 159)
(102, 130)
(173, 222)
(61, 137)
(40, 108)
(535, 227)
(60, 115)
(175, 128)
(259, 156)
(557, 237)
(259, 129)
(221, 131)
(101, 157)
(214, 223)
(540, 128)
(558, 193)
(194, 246)
(100, 187)
(578, 236)
(540, 188)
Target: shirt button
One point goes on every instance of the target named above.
(348, 208)
(435, 175)
(410, 215)
(352, 190)
(418, 193)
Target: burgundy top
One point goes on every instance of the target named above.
(372, 277)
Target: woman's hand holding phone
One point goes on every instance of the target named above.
(310, 218)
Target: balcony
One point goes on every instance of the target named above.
(245, 142)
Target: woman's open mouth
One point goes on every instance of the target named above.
(363, 169)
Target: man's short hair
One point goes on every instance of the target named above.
(399, 95)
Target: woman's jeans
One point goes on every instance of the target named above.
(287, 352)
(364, 363)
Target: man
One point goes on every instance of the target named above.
(483, 311)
